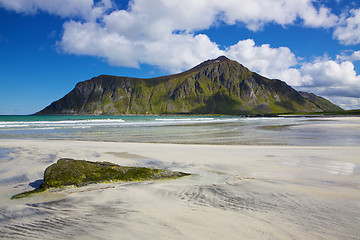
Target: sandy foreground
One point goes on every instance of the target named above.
(235, 192)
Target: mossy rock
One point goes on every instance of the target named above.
(70, 172)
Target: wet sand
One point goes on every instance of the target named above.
(235, 192)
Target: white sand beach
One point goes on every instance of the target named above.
(235, 192)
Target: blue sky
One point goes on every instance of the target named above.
(47, 46)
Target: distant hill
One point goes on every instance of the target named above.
(219, 86)
(321, 102)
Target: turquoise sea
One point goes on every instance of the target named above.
(295, 131)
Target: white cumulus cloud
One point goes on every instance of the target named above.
(330, 73)
(345, 102)
(64, 8)
(349, 32)
(256, 13)
(174, 52)
(270, 62)
(335, 81)
(344, 56)
(163, 33)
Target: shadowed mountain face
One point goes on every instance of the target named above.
(219, 86)
(321, 102)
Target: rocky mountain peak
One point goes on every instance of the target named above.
(218, 60)
(209, 62)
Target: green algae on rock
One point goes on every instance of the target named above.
(70, 172)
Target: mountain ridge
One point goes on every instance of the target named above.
(217, 86)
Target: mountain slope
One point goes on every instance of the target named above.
(321, 102)
(219, 86)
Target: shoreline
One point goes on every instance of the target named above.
(55, 146)
(254, 191)
(278, 162)
(356, 113)
(327, 131)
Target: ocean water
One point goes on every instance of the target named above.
(229, 130)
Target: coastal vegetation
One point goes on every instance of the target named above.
(354, 112)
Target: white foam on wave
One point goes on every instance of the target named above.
(183, 119)
(194, 120)
(87, 123)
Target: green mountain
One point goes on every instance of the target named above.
(219, 86)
